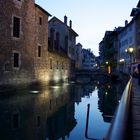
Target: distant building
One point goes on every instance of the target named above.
(78, 59)
(108, 48)
(101, 52)
(88, 60)
(126, 41)
(135, 13)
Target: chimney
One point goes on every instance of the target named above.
(70, 24)
(65, 19)
(126, 22)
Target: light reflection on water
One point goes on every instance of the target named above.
(58, 112)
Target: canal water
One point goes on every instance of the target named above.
(59, 112)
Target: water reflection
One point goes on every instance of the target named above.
(56, 112)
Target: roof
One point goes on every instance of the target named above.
(138, 5)
(43, 10)
(55, 18)
(135, 11)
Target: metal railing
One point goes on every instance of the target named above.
(120, 128)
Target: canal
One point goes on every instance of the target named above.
(59, 112)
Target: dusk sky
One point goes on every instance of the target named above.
(91, 18)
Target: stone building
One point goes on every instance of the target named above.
(17, 35)
(25, 56)
(62, 41)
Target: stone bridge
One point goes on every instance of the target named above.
(85, 76)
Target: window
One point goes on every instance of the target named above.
(50, 63)
(66, 43)
(39, 51)
(57, 64)
(40, 20)
(16, 27)
(57, 41)
(52, 31)
(16, 60)
(70, 36)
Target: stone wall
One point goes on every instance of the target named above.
(55, 71)
(24, 45)
(31, 46)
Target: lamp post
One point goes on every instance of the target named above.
(130, 52)
(108, 67)
(122, 64)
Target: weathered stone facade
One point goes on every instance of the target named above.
(24, 56)
(62, 40)
(22, 47)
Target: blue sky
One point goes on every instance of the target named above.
(91, 18)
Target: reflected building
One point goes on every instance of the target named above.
(34, 116)
(49, 113)
(109, 96)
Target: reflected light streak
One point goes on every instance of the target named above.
(55, 87)
(34, 91)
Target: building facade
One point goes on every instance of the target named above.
(62, 40)
(25, 54)
(88, 60)
(136, 18)
(126, 41)
(17, 35)
(78, 58)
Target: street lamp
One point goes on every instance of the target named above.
(106, 62)
(130, 52)
(108, 67)
(121, 62)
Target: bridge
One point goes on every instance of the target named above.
(86, 76)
